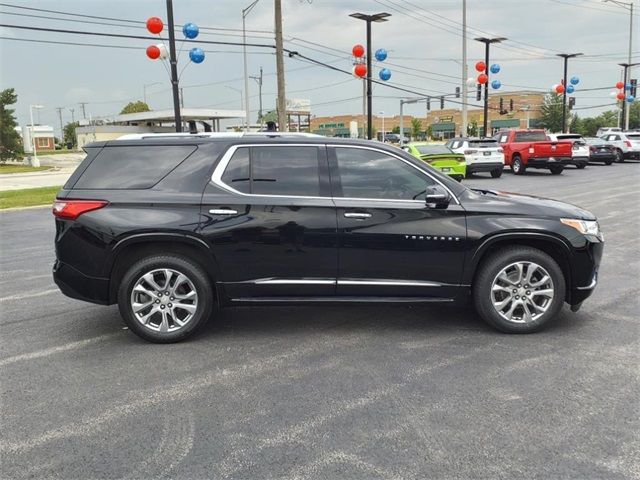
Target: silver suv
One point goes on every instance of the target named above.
(627, 144)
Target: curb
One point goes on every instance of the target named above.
(31, 207)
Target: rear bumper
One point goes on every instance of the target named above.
(484, 167)
(452, 169)
(76, 284)
(602, 157)
(546, 162)
(579, 160)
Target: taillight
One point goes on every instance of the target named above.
(627, 143)
(470, 152)
(592, 148)
(72, 209)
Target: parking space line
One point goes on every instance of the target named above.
(28, 295)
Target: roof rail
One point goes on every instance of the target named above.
(143, 136)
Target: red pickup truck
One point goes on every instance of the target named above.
(531, 149)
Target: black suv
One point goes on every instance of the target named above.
(173, 227)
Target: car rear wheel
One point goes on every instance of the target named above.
(581, 166)
(608, 162)
(517, 166)
(497, 173)
(619, 156)
(165, 298)
(519, 290)
(556, 169)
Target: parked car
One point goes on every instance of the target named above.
(600, 150)
(627, 144)
(605, 130)
(579, 148)
(249, 219)
(394, 138)
(481, 154)
(440, 157)
(531, 149)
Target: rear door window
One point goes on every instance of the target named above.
(132, 167)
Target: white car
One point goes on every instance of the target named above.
(580, 150)
(606, 130)
(627, 144)
(481, 154)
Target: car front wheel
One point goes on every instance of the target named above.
(165, 298)
(519, 290)
(619, 156)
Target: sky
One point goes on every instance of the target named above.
(423, 38)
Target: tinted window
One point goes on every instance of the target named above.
(432, 149)
(237, 174)
(285, 171)
(633, 136)
(483, 143)
(91, 154)
(530, 137)
(372, 174)
(142, 166)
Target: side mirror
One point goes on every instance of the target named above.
(437, 197)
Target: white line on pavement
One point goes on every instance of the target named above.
(29, 295)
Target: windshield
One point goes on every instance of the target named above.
(432, 149)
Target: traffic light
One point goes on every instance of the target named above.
(572, 102)
(511, 104)
(442, 102)
(479, 93)
(457, 92)
(634, 86)
(428, 103)
(501, 104)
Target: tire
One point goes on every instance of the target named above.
(548, 303)
(517, 167)
(556, 169)
(179, 318)
(619, 156)
(608, 162)
(497, 173)
(581, 166)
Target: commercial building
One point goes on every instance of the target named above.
(43, 138)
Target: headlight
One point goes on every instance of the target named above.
(586, 227)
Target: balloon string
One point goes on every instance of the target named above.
(183, 69)
(180, 49)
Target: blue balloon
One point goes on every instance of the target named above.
(381, 55)
(570, 89)
(496, 84)
(385, 74)
(574, 80)
(495, 68)
(190, 30)
(630, 98)
(627, 86)
(196, 55)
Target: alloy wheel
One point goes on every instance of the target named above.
(164, 300)
(522, 292)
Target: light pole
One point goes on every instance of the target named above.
(628, 6)
(566, 57)
(258, 80)
(378, 18)
(173, 58)
(487, 42)
(144, 89)
(624, 118)
(34, 158)
(382, 115)
(465, 73)
(245, 12)
(402, 103)
(241, 97)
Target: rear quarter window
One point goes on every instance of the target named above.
(132, 167)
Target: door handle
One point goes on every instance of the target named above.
(223, 211)
(357, 215)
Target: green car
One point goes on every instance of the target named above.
(439, 157)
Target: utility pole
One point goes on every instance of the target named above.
(174, 66)
(282, 99)
(73, 118)
(378, 18)
(465, 72)
(258, 80)
(629, 6)
(59, 109)
(624, 117)
(245, 12)
(566, 57)
(487, 42)
(82, 104)
(364, 108)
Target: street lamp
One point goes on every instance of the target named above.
(566, 57)
(34, 158)
(245, 12)
(377, 18)
(382, 115)
(144, 89)
(487, 42)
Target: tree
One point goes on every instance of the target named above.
(10, 143)
(135, 107)
(70, 133)
(396, 129)
(634, 115)
(551, 112)
(416, 127)
(472, 128)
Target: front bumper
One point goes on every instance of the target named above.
(75, 284)
(546, 162)
(484, 167)
(586, 264)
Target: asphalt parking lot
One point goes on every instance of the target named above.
(331, 392)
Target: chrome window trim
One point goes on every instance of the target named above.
(216, 176)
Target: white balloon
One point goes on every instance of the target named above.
(471, 81)
(613, 94)
(164, 53)
(553, 87)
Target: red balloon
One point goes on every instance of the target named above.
(482, 79)
(620, 85)
(357, 50)
(620, 95)
(153, 52)
(560, 88)
(154, 25)
(360, 70)
(481, 66)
